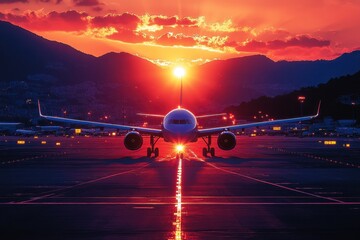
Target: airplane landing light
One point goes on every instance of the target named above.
(180, 148)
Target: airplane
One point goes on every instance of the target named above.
(179, 126)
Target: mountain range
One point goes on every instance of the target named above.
(67, 80)
(340, 99)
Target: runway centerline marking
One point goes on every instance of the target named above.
(51, 192)
(178, 205)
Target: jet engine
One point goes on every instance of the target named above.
(226, 140)
(133, 140)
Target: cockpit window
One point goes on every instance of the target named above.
(179, 121)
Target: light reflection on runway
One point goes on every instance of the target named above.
(178, 206)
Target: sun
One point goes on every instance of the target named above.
(179, 72)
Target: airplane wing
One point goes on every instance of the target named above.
(211, 115)
(150, 115)
(9, 124)
(152, 131)
(209, 131)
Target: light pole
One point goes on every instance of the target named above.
(353, 107)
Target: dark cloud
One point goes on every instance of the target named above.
(163, 21)
(97, 9)
(125, 21)
(27, 1)
(173, 21)
(17, 19)
(302, 41)
(54, 21)
(187, 21)
(86, 3)
(48, 1)
(129, 36)
(13, 1)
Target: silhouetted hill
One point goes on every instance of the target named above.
(24, 53)
(337, 98)
(249, 77)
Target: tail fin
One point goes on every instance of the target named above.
(40, 114)
(318, 109)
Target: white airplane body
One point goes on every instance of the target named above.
(179, 126)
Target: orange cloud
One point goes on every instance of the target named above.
(170, 39)
(125, 21)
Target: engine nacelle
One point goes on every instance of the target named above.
(226, 140)
(133, 140)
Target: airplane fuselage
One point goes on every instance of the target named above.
(180, 126)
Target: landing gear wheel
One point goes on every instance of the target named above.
(156, 152)
(181, 155)
(204, 152)
(177, 156)
(152, 149)
(212, 152)
(148, 152)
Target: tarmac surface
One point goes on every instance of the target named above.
(93, 188)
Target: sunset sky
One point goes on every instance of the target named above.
(194, 32)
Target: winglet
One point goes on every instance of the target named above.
(318, 109)
(40, 114)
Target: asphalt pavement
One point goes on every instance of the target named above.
(93, 188)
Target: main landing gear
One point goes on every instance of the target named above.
(152, 149)
(209, 149)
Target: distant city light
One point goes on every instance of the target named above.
(57, 143)
(330, 142)
(20, 142)
(301, 99)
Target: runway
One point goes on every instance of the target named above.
(93, 188)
